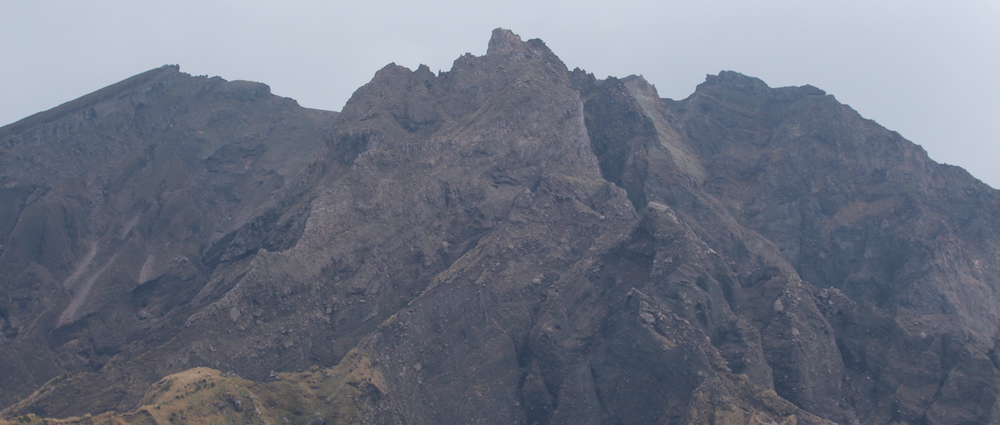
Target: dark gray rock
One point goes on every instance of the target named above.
(505, 242)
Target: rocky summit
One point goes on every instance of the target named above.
(507, 242)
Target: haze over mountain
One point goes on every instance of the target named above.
(505, 242)
(918, 67)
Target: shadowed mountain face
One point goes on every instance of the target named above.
(506, 242)
(113, 204)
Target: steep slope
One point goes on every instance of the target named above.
(903, 249)
(512, 242)
(111, 203)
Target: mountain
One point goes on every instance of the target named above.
(506, 242)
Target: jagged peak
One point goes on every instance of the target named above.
(392, 78)
(506, 44)
(243, 90)
(736, 81)
(508, 59)
(502, 41)
(394, 70)
(637, 84)
(395, 67)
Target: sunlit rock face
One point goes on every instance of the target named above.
(505, 242)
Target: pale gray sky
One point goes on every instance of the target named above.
(926, 69)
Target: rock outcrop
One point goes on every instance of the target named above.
(505, 242)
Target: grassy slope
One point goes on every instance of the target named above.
(332, 396)
(207, 396)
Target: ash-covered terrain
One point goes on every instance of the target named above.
(506, 242)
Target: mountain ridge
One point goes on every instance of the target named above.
(508, 241)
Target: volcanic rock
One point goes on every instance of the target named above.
(505, 242)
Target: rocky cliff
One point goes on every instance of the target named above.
(505, 242)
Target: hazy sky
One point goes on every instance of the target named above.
(926, 69)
